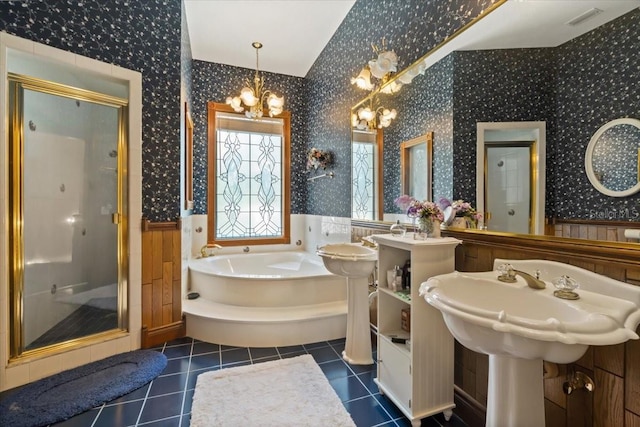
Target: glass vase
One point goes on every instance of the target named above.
(424, 229)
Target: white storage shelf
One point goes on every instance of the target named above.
(419, 378)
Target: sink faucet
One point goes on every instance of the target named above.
(508, 274)
(203, 250)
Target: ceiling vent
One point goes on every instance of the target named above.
(584, 16)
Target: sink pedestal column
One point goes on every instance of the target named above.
(357, 348)
(516, 392)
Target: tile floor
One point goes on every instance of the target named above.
(166, 401)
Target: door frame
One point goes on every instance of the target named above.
(488, 132)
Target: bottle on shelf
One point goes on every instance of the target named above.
(398, 229)
(397, 283)
(406, 276)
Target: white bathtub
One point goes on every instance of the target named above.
(265, 300)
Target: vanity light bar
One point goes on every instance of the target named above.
(584, 16)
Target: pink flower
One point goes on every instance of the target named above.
(403, 202)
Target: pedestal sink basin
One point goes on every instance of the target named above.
(355, 262)
(519, 327)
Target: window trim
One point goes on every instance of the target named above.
(212, 109)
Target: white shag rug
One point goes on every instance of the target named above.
(286, 392)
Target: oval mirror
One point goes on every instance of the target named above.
(611, 161)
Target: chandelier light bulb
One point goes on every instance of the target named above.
(247, 96)
(273, 101)
(363, 81)
(235, 103)
(366, 114)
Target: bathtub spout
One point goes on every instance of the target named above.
(203, 250)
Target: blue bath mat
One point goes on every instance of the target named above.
(71, 392)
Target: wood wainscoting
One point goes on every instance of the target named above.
(610, 231)
(615, 370)
(161, 283)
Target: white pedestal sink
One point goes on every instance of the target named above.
(519, 327)
(355, 262)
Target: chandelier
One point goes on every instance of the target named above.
(252, 100)
(380, 68)
(371, 118)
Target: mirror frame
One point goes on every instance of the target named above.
(188, 164)
(405, 163)
(588, 159)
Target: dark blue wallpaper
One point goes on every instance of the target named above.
(186, 92)
(575, 88)
(423, 106)
(595, 85)
(139, 35)
(598, 81)
(499, 86)
(411, 28)
(214, 82)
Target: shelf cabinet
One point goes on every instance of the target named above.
(417, 377)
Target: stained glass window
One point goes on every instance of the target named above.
(363, 173)
(248, 178)
(250, 187)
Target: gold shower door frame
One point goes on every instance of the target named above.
(17, 85)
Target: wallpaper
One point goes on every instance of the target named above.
(423, 106)
(598, 81)
(411, 28)
(489, 87)
(139, 35)
(186, 97)
(575, 89)
(214, 82)
(595, 85)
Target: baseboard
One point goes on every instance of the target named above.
(468, 409)
(153, 337)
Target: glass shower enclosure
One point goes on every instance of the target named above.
(67, 192)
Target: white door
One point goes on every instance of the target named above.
(508, 189)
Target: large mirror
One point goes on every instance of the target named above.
(572, 65)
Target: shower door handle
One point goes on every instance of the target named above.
(116, 218)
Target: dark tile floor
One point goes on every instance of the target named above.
(166, 401)
(86, 320)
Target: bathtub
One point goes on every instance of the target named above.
(265, 300)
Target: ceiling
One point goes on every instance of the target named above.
(533, 23)
(293, 32)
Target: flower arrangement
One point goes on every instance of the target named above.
(318, 159)
(462, 209)
(425, 213)
(419, 209)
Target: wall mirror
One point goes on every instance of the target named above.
(522, 27)
(415, 166)
(611, 160)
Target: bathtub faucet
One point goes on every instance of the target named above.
(203, 250)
